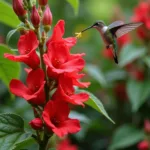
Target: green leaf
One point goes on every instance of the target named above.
(129, 53)
(75, 5)
(11, 131)
(95, 103)
(81, 117)
(147, 61)
(8, 69)
(10, 33)
(7, 15)
(126, 136)
(24, 144)
(114, 75)
(137, 93)
(96, 74)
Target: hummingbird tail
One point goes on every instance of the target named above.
(115, 48)
(116, 59)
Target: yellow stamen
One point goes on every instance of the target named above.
(78, 35)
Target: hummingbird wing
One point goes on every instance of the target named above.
(124, 29)
(115, 24)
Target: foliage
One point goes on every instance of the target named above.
(122, 90)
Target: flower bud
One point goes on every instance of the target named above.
(43, 2)
(35, 18)
(147, 126)
(18, 8)
(36, 123)
(47, 19)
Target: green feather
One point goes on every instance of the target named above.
(115, 49)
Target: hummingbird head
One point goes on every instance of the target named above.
(98, 25)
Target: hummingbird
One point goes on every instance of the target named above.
(113, 31)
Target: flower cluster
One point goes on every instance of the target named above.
(63, 68)
(142, 14)
(51, 77)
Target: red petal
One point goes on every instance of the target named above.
(27, 42)
(31, 59)
(48, 113)
(75, 76)
(66, 145)
(55, 109)
(16, 58)
(19, 89)
(78, 99)
(47, 61)
(81, 84)
(70, 42)
(73, 65)
(66, 83)
(58, 32)
(73, 56)
(59, 53)
(68, 126)
(35, 78)
(40, 96)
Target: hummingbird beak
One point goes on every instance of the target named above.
(87, 28)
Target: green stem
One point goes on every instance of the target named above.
(43, 66)
(43, 144)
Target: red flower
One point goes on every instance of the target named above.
(144, 145)
(75, 80)
(142, 12)
(36, 123)
(60, 61)
(66, 145)
(147, 126)
(34, 91)
(27, 48)
(55, 115)
(65, 91)
(58, 33)
(123, 40)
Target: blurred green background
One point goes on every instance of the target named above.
(124, 89)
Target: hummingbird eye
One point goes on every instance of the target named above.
(96, 24)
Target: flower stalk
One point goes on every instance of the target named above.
(51, 76)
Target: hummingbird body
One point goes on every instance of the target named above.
(110, 33)
(108, 39)
(106, 35)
